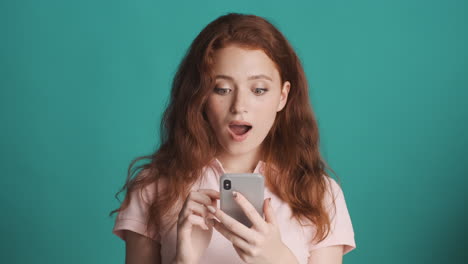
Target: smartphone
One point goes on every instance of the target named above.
(250, 185)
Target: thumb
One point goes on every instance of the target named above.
(268, 211)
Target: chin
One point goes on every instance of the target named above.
(240, 150)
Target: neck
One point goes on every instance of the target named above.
(244, 163)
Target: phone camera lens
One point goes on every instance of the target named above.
(227, 184)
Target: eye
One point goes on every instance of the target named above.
(222, 91)
(260, 91)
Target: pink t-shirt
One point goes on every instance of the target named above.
(220, 250)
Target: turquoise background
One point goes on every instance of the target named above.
(84, 83)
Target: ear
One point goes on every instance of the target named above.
(284, 95)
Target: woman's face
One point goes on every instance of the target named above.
(242, 106)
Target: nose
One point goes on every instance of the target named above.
(239, 103)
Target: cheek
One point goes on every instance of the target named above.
(268, 107)
(267, 113)
(214, 110)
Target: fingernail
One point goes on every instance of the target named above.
(234, 194)
(211, 209)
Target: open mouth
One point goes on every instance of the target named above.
(240, 130)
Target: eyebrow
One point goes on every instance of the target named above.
(253, 77)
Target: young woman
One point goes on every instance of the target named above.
(239, 104)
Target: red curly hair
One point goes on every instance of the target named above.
(188, 143)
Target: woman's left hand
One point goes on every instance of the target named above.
(259, 244)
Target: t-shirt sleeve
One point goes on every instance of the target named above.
(341, 228)
(133, 218)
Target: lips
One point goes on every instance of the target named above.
(239, 129)
(240, 123)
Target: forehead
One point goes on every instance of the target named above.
(241, 63)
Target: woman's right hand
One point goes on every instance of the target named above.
(193, 232)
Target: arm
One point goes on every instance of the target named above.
(140, 249)
(329, 255)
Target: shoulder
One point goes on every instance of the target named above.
(332, 184)
(150, 183)
(333, 198)
(333, 189)
(341, 228)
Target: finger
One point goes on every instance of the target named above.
(196, 208)
(268, 211)
(194, 220)
(250, 211)
(234, 239)
(233, 225)
(198, 197)
(213, 194)
(184, 227)
(242, 254)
